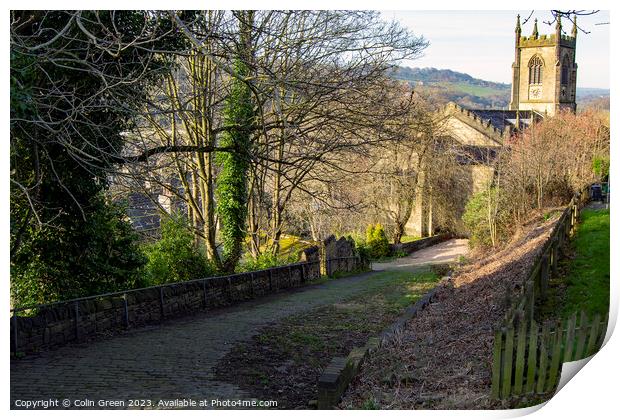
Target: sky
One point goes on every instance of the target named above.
(481, 43)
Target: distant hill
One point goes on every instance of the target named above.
(444, 85)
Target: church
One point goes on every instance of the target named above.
(544, 81)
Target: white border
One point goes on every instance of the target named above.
(591, 395)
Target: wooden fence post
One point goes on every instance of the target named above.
(556, 357)
(570, 339)
(531, 357)
(520, 361)
(542, 362)
(581, 337)
(531, 301)
(593, 335)
(507, 365)
(544, 273)
(497, 364)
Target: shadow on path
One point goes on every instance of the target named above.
(176, 359)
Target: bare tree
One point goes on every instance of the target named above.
(317, 78)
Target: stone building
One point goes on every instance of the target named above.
(544, 81)
(544, 74)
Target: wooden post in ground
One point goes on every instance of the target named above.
(581, 336)
(520, 359)
(507, 363)
(593, 336)
(556, 357)
(542, 361)
(531, 358)
(544, 273)
(497, 365)
(570, 339)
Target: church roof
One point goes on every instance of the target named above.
(500, 118)
(497, 124)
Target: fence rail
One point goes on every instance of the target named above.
(527, 357)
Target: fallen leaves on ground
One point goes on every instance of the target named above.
(443, 358)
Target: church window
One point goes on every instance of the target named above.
(565, 70)
(536, 69)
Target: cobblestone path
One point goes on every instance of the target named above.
(175, 360)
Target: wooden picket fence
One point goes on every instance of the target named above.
(527, 357)
(534, 287)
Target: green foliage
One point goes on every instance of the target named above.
(84, 257)
(377, 243)
(400, 254)
(486, 218)
(231, 188)
(174, 257)
(267, 260)
(360, 245)
(66, 122)
(600, 166)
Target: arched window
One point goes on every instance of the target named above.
(565, 70)
(536, 68)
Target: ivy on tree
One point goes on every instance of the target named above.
(231, 190)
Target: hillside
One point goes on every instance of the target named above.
(444, 85)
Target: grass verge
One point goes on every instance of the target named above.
(587, 278)
(285, 360)
(583, 283)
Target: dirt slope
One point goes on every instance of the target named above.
(443, 358)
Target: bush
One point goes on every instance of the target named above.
(377, 244)
(267, 260)
(487, 229)
(77, 258)
(174, 257)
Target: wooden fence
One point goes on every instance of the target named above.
(527, 357)
(522, 301)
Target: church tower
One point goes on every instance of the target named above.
(544, 73)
